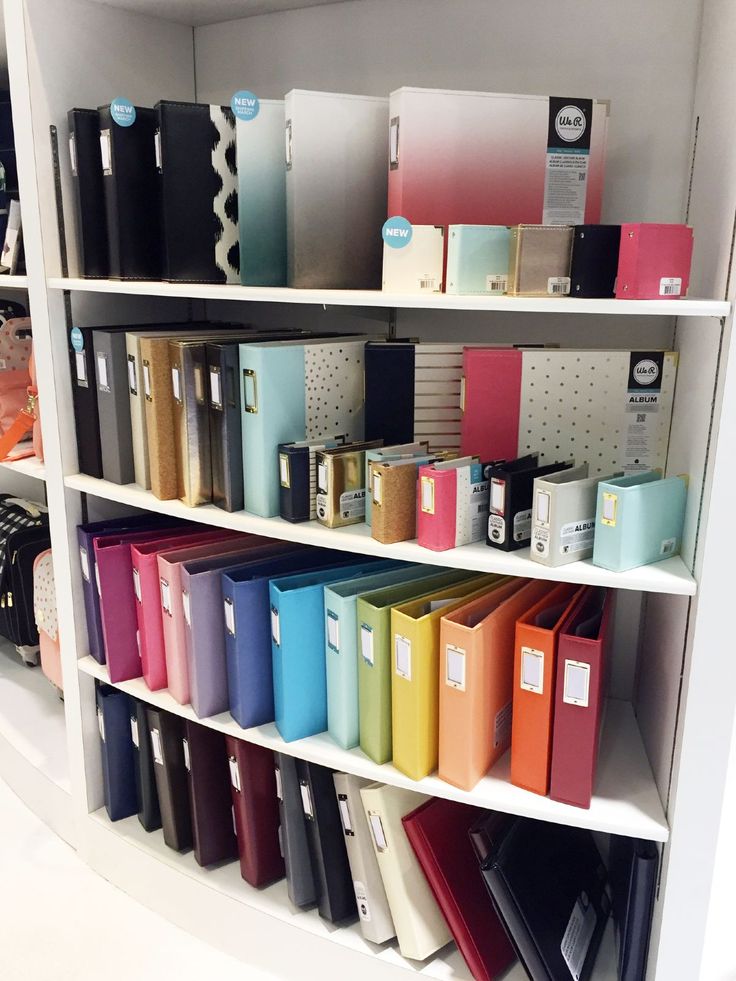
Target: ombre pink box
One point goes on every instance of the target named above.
(480, 158)
(654, 261)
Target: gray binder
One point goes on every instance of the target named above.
(113, 405)
(563, 516)
(376, 922)
(300, 878)
(336, 189)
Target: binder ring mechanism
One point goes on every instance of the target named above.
(250, 390)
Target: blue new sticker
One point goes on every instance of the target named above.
(397, 232)
(245, 105)
(122, 112)
(77, 339)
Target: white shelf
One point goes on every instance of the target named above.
(13, 283)
(29, 466)
(377, 298)
(447, 964)
(33, 747)
(626, 801)
(670, 576)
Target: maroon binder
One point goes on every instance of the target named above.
(209, 790)
(439, 834)
(256, 810)
(582, 668)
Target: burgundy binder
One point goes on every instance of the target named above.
(205, 758)
(582, 661)
(256, 810)
(438, 831)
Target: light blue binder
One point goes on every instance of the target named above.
(295, 390)
(477, 259)
(298, 647)
(341, 643)
(402, 450)
(639, 520)
(262, 196)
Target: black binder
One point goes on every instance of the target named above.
(197, 175)
(149, 813)
(118, 763)
(225, 407)
(633, 870)
(89, 192)
(300, 875)
(548, 884)
(511, 498)
(172, 779)
(205, 757)
(131, 195)
(594, 261)
(389, 392)
(327, 843)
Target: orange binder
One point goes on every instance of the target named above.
(534, 687)
(477, 679)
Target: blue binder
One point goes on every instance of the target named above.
(477, 258)
(298, 647)
(639, 520)
(118, 754)
(341, 642)
(248, 630)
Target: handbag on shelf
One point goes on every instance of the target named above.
(45, 615)
(20, 430)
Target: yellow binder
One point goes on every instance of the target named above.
(415, 633)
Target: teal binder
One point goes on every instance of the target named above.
(341, 646)
(298, 646)
(639, 520)
(477, 259)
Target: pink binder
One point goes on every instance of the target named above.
(490, 399)
(654, 261)
(114, 571)
(170, 565)
(144, 557)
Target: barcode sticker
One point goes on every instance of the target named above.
(137, 584)
(176, 383)
(558, 285)
(366, 643)
(234, 772)
(496, 284)
(102, 381)
(165, 596)
(215, 391)
(132, 379)
(84, 563)
(670, 286)
(81, 364)
(402, 656)
(229, 616)
(333, 632)
(158, 754)
(428, 283)
(134, 730)
(275, 626)
(668, 546)
(185, 747)
(187, 609)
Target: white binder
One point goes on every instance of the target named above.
(417, 267)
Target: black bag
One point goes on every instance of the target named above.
(24, 534)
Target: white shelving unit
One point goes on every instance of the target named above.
(28, 466)
(668, 737)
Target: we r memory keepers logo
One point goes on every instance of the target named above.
(645, 372)
(570, 123)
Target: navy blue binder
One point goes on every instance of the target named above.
(389, 392)
(594, 261)
(118, 761)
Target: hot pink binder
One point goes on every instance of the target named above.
(490, 399)
(654, 262)
(436, 519)
(114, 571)
(144, 557)
(170, 566)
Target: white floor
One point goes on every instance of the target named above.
(59, 921)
